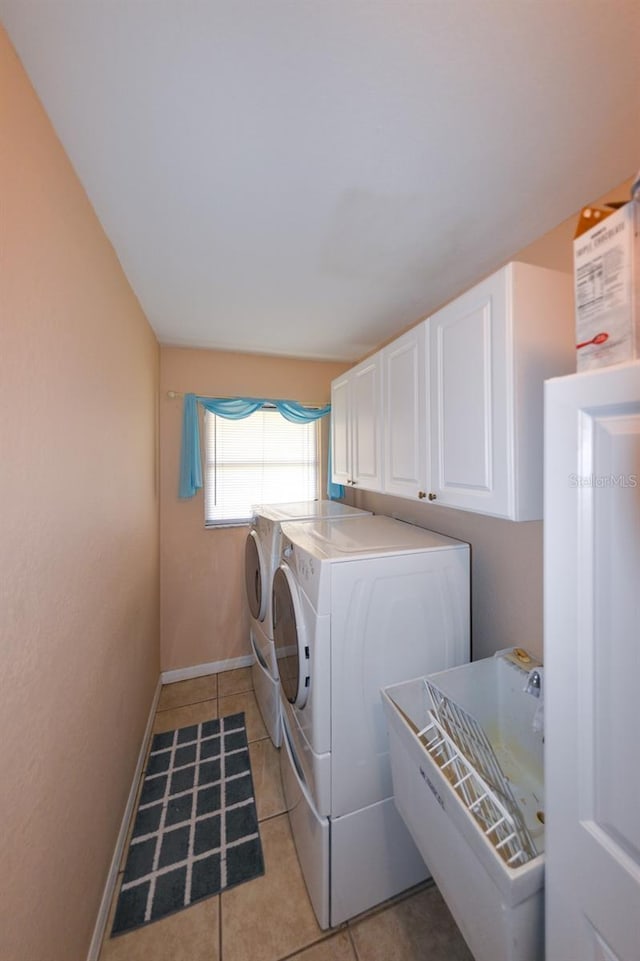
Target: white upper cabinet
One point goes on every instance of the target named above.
(451, 412)
(405, 437)
(356, 426)
(490, 351)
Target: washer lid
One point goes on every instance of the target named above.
(255, 576)
(289, 636)
(370, 536)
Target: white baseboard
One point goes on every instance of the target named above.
(112, 877)
(200, 670)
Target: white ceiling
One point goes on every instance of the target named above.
(309, 177)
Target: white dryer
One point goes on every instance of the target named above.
(357, 605)
(262, 556)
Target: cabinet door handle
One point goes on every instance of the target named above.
(432, 496)
(421, 495)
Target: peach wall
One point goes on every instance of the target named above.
(555, 249)
(79, 542)
(203, 619)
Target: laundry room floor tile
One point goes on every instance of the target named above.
(270, 917)
(184, 716)
(235, 682)
(419, 928)
(181, 693)
(267, 783)
(245, 702)
(189, 935)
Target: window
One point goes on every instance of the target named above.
(262, 459)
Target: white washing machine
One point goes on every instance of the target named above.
(262, 556)
(357, 605)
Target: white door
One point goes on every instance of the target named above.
(406, 415)
(366, 424)
(592, 665)
(340, 433)
(469, 400)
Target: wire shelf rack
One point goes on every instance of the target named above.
(462, 751)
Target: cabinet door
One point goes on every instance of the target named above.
(471, 408)
(340, 431)
(406, 415)
(366, 424)
(592, 664)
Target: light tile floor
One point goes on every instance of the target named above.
(270, 918)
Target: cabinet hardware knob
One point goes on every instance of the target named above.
(432, 496)
(421, 495)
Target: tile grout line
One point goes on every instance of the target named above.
(202, 700)
(271, 817)
(325, 936)
(179, 707)
(353, 942)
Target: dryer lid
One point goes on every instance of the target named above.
(307, 510)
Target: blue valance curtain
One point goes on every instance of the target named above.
(236, 408)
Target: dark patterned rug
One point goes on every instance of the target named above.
(196, 827)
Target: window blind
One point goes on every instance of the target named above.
(261, 459)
